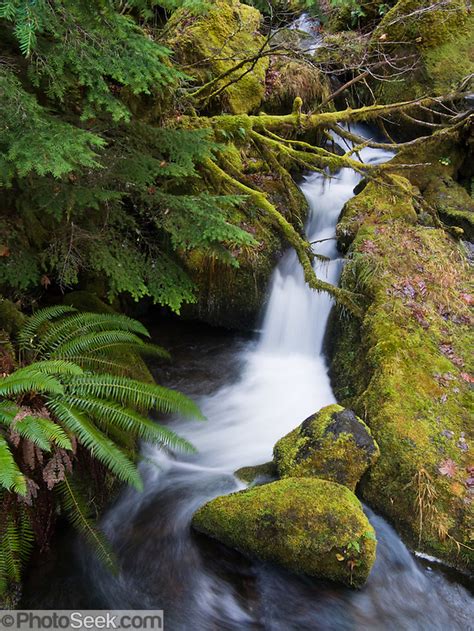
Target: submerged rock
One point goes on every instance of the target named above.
(257, 474)
(333, 444)
(308, 526)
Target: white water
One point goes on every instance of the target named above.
(285, 377)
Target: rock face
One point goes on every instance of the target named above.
(333, 444)
(307, 525)
(213, 43)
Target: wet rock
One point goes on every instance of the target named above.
(258, 474)
(308, 526)
(333, 444)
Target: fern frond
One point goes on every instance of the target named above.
(30, 329)
(51, 367)
(43, 432)
(11, 478)
(75, 508)
(8, 411)
(99, 445)
(107, 413)
(29, 380)
(79, 324)
(10, 546)
(95, 362)
(95, 342)
(135, 394)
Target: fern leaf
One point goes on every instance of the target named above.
(135, 394)
(99, 445)
(43, 432)
(51, 367)
(29, 380)
(95, 342)
(75, 508)
(11, 478)
(30, 329)
(81, 323)
(129, 420)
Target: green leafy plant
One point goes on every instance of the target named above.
(68, 400)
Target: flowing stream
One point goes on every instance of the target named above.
(252, 393)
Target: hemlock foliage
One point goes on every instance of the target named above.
(92, 182)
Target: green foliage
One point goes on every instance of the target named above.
(61, 403)
(92, 180)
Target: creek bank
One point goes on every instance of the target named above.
(405, 368)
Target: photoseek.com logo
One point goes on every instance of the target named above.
(81, 619)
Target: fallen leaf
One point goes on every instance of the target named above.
(448, 467)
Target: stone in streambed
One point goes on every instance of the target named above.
(257, 474)
(333, 444)
(306, 525)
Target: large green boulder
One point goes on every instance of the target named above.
(333, 444)
(211, 44)
(308, 526)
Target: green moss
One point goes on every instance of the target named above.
(260, 472)
(289, 79)
(333, 445)
(11, 318)
(307, 525)
(213, 43)
(377, 204)
(443, 38)
(453, 203)
(411, 381)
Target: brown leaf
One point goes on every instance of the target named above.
(4, 250)
(45, 281)
(448, 467)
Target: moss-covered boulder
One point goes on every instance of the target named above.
(257, 474)
(211, 44)
(333, 444)
(308, 526)
(441, 35)
(407, 367)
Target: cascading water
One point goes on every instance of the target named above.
(283, 379)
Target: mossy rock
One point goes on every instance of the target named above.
(442, 36)
(257, 474)
(288, 79)
(412, 376)
(380, 205)
(308, 526)
(333, 444)
(212, 43)
(453, 203)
